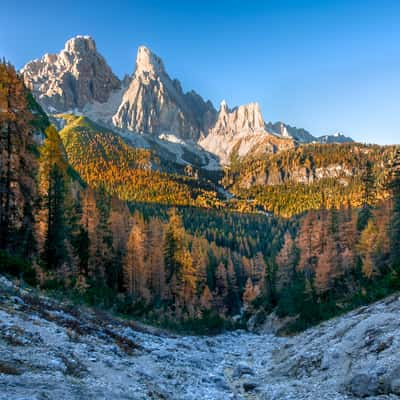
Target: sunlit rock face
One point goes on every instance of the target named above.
(246, 118)
(241, 131)
(156, 104)
(75, 77)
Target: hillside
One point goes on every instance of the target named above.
(289, 182)
(309, 177)
(104, 159)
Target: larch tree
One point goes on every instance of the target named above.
(251, 292)
(120, 225)
(286, 261)
(135, 274)
(155, 258)
(187, 281)
(367, 249)
(263, 277)
(310, 243)
(206, 299)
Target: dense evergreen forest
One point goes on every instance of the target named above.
(83, 213)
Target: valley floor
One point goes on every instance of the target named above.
(50, 350)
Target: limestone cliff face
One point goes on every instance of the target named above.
(156, 104)
(246, 118)
(241, 131)
(75, 77)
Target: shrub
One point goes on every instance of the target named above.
(16, 266)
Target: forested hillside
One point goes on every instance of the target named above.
(104, 159)
(169, 255)
(310, 177)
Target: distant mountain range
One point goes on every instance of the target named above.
(149, 107)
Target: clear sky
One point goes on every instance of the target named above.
(322, 65)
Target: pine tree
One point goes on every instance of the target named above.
(368, 196)
(54, 189)
(199, 260)
(221, 288)
(394, 186)
(89, 223)
(233, 298)
(177, 260)
(173, 244)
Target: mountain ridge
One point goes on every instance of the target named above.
(79, 80)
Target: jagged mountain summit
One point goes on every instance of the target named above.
(300, 135)
(303, 136)
(156, 104)
(240, 131)
(335, 138)
(78, 80)
(78, 75)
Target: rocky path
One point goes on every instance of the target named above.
(50, 350)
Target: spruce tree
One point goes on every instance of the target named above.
(54, 247)
(54, 189)
(395, 219)
(368, 196)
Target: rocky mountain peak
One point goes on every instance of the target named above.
(70, 80)
(335, 138)
(148, 62)
(223, 105)
(156, 104)
(80, 45)
(251, 117)
(246, 117)
(283, 130)
(240, 131)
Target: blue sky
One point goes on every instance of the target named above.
(322, 65)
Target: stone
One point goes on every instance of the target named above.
(242, 369)
(363, 385)
(18, 300)
(220, 382)
(395, 386)
(249, 386)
